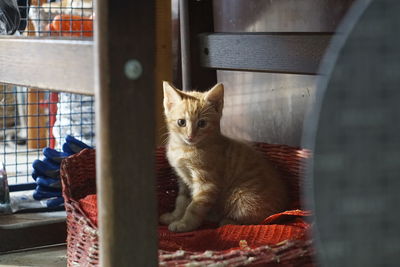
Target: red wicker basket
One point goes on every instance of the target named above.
(275, 248)
(78, 176)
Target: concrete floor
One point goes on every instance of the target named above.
(44, 257)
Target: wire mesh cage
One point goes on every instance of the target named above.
(66, 18)
(33, 119)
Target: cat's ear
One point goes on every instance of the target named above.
(171, 96)
(216, 96)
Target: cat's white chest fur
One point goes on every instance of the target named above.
(181, 160)
(179, 156)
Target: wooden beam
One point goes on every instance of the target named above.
(64, 65)
(185, 45)
(36, 120)
(176, 45)
(188, 74)
(200, 21)
(163, 70)
(31, 230)
(125, 132)
(298, 53)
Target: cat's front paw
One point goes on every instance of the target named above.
(180, 226)
(167, 218)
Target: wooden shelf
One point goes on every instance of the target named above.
(297, 53)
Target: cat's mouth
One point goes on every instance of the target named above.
(190, 142)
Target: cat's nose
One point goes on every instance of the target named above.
(190, 137)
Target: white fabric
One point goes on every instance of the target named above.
(75, 116)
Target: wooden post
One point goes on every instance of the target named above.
(200, 21)
(37, 120)
(163, 61)
(185, 44)
(125, 128)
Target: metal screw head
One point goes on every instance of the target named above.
(133, 69)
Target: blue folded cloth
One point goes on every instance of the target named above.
(54, 155)
(45, 168)
(47, 171)
(43, 192)
(73, 145)
(49, 182)
(54, 202)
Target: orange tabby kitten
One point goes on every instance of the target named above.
(218, 175)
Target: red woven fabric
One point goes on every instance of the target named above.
(288, 225)
(89, 206)
(229, 236)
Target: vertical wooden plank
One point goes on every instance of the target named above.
(176, 44)
(188, 73)
(185, 45)
(32, 98)
(125, 132)
(200, 21)
(37, 120)
(163, 61)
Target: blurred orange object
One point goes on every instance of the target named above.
(67, 25)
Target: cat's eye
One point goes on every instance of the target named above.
(181, 123)
(201, 123)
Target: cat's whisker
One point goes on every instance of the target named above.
(164, 135)
(164, 142)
